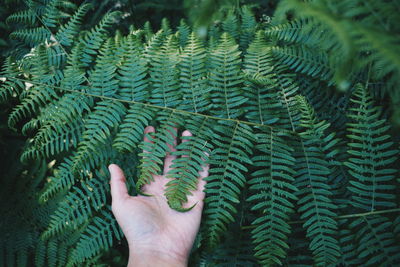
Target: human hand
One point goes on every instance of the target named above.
(157, 235)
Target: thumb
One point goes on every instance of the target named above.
(118, 187)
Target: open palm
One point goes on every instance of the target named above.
(149, 224)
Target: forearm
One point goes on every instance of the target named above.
(154, 259)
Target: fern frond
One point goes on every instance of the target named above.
(53, 139)
(336, 35)
(183, 31)
(299, 255)
(62, 180)
(321, 96)
(381, 16)
(371, 155)
(67, 108)
(382, 52)
(244, 96)
(154, 44)
(348, 247)
(26, 17)
(131, 129)
(233, 142)
(67, 5)
(193, 76)
(287, 91)
(32, 37)
(304, 60)
(191, 155)
(231, 24)
(215, 34)
(269, 87)
(99, 235)
(297, 32)
(40, 254)
(148, 32)
(263, 105)
(51, 14)
(78, 206)
(164, 75)
(376, 243)
(99, 126)
(61, 125)
(10, 87)
(273, 195)
(248, 27)
(68, 31)
(166, 27)
(103, 78)
(314, 192)
(30, 126)
(93, 40)
(37, 96)
(155, 150)
(132, 73)
(225, 79)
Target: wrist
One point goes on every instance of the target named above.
(154, 258)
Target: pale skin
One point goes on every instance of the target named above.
(157, 235)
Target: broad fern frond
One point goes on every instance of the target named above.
(62, 180)
(84, 99)
(233, 142)
(155, 150)
(154, 44)
(273, 195)
(51, 139)
(304, 60)
(93, 40)
(78, 206)
(231, 25)
(103, 78)
(131, 130)
(226, 79)
(67, 32)
(37, 96)
(10, 87)
(164, 75)
(51, 14)
(375, 240)
(133, 81)
(192, 154)
(261, 89)
(295, 32)
(32, 37)
(183, 31)
(193, 80)
(248, 27)
(27, 17)
(314, 192)
(99, 126)
(371, 155)
(99, 235)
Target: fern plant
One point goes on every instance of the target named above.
(301, 173)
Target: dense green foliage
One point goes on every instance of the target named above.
(293, 113)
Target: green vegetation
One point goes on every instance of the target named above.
(299, 115)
